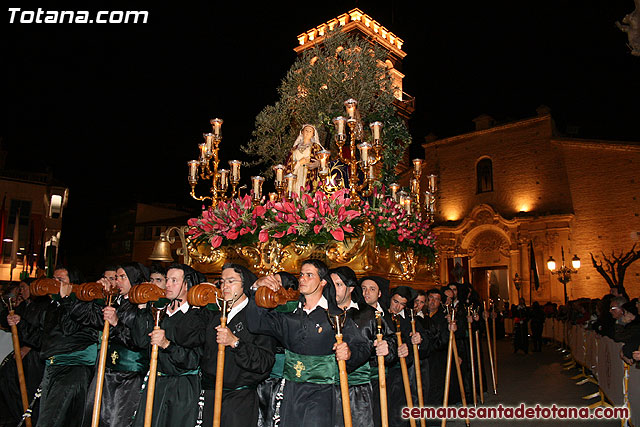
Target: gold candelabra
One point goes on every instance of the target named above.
(369, 154)
(224, 182)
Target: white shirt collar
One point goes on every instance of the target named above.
(237, 309)
(401, 314)
(420, 313)
(184, 307)
(379, 307)
(322, 302)
(353, 305)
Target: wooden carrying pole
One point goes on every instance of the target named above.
(416, 365)
(382, 378)
(151, 384)
(23, 384)
(493, 372)
(473, 369)
(479, 367)
(405, 374)
(102, 363)
(447, 378)
(460, 381)
(217, 403)
(344, 388)
(495, 352)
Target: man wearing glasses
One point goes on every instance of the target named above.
(310, 368)
(248, 357)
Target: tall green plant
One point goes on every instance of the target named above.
(314, 90)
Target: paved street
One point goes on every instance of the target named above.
(536, 378)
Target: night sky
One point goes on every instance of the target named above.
(117, 110)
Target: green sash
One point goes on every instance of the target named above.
(373, 373)
(303, 368)
(360, 376)
(120, 358)
(278, 366)
(208, 382)
(86, 357)
(191, 372)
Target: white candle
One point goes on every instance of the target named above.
(208, 138)
(290, 180)
(257, 186)
(217, 127)
(224, 178)
(193, 170)
(279, 170)
(235, 170)
(376, 127)
(203, 152)
(364, 152)
(350, 106)
(394, 191)
(338, 122)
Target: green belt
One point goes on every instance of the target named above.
(360, 376)
(303, 368)
(86, 357)
(191, 372)
(209, 383)
(278, 366)
(121, 358)
(373, 373)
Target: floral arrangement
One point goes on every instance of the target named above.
(316, 219)
(230, 223)
(395, 226)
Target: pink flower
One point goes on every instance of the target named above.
(263, 236)
(338, 234)
(278, 234)
(317, 228)
(259, 211)
(232, 234)
(216, 241)
(347, 228)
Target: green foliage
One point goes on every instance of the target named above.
(314, 91)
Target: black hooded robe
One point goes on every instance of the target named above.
(126, 364)
(178, 383)
(309, 337)
(244, 367)
(69, 352)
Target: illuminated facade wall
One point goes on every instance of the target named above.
(555, 192)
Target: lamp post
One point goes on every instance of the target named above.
(564, 273)
(517, 282)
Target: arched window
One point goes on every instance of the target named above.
(484, 174)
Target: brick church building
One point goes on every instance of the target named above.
(502, 188)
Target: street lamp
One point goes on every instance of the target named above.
(564, 273)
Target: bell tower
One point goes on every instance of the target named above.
(362, 25)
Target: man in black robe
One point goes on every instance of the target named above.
(69, 351)
(178, 383)
(11, 409)
(248, 357)
(126, 363)
(310, 368)
(364, 316)
(374, 292)
(401, 298)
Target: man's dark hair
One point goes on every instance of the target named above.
(136, 272)
(323, 270)
(75, 276)
(289, 281)
(157, 268)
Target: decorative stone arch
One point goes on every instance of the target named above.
(487, 245)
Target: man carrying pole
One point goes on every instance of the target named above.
(311, 351)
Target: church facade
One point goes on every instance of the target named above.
(507, 191)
